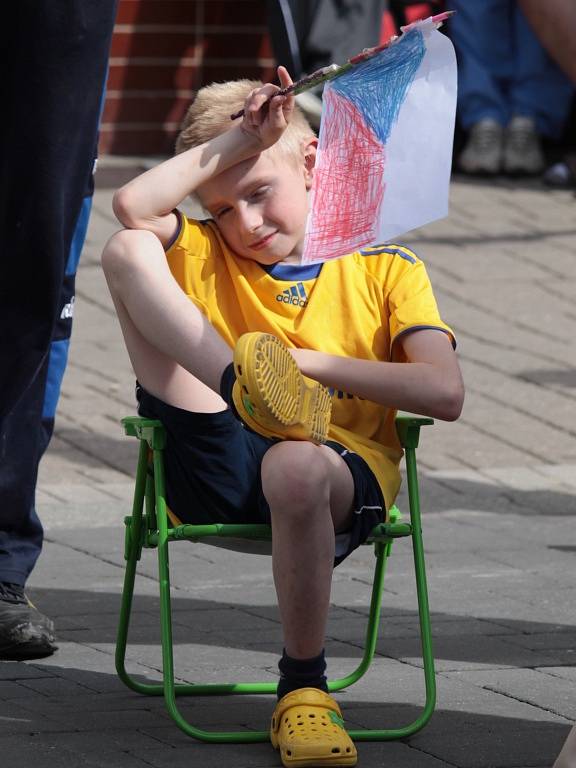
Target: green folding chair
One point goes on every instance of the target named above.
(149, 527)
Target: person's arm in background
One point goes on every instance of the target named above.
(567, 756)
(554, 23)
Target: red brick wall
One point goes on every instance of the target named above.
(162, 50)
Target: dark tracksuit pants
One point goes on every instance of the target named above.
(54, 60)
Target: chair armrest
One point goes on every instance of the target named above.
(150, 430)
(408, 428)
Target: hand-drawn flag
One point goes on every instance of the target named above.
(385, 146)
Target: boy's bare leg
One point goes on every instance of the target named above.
(175, 352)
(310, 491)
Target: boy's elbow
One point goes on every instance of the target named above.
(453, 403)
(123, 209)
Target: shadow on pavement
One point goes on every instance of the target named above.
(565, 377)
(466, 494)
(495, 498)
(90, 618)
(137, 726)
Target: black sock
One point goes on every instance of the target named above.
(301, 673)
(226, 386)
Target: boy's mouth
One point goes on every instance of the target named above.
(262, 243)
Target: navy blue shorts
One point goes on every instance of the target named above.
(212, 464)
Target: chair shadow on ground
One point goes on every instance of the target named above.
(86, 624)
(138, 726)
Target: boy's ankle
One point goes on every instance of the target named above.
(301, 673)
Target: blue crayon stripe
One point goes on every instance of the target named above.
(378, 86)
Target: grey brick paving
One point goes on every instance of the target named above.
(499, 494)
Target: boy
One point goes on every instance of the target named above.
(248, 430)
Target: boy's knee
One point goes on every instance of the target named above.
(295, 476)
(124, 247)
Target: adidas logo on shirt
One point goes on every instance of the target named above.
(295, 295)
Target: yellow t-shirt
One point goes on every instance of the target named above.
(356, 306)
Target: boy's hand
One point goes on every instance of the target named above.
(267, 120)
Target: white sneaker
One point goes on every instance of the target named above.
(483, 151)
(522, 150)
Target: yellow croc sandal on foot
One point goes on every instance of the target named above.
(308, 729)
(271, 394)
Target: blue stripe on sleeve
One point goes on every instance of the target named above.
(393, 250)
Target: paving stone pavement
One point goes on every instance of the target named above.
(499, 499)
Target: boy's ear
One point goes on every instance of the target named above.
(310, 147)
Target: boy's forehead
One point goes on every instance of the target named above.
(242, 177)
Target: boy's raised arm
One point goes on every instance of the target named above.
(148, 201)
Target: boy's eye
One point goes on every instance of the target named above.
(260, 192)
(221, 212)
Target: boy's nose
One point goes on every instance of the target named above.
(251, 220)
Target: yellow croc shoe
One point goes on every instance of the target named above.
(271, 394)
(308, 729)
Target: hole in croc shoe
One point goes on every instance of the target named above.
(239, 370)
(335, 750)
(311, 715)
(348, 749)
(289, 752)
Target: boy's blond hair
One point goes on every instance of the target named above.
(209, 116)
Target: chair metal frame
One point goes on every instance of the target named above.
(149, 527)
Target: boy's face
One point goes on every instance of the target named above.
(260, 205)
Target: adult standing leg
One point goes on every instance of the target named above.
(54, 64)
(482, 33)
(509, 93)
(554, 22)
